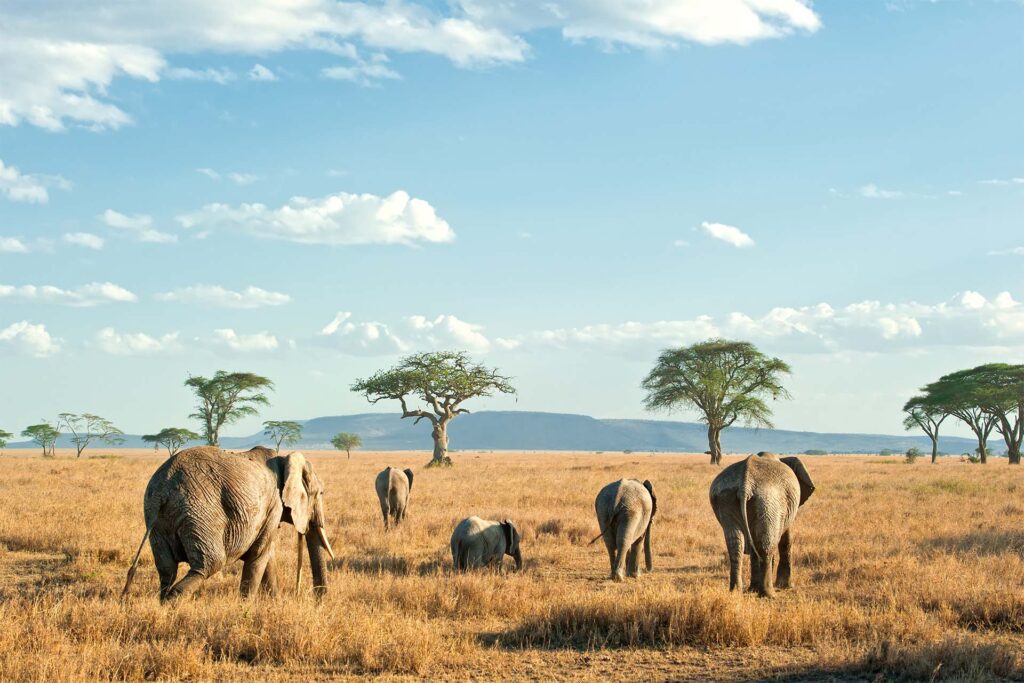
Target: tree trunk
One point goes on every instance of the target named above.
(935, 448)
(1013, 454)
(982, 451)
(348, 451)
(714, 445)
(440, 434)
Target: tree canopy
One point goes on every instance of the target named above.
(282, 432)
(726, 381)
(44, 434)
(171, 438)
(226, 398)
(344, 441)
(960, 394)
(87, 428)
(442, 380)
(928, 415)
(4, 438)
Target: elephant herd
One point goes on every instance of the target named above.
(207, 507)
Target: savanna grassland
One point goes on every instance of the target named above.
(900, 570)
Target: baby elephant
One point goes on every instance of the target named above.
(480, 542)
(393, 487)
(756, 501)
(625, 511)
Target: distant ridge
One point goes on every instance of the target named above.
(534, 431)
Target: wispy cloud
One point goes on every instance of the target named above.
(220, 76)
(92, 294)
(261, 73)
(84, 239)
(220, 297)
(234, 176)
(135, 344)
(872, 191)
(138, 226)
(24, 187)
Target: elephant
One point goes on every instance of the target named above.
(625, 513)
(480, 542)
(393, 488)
(209, 507)
(756, 501)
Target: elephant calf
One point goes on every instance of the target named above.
(393, 488)
(208, 507)
(480, 542)
(756, 501)
(625, 512)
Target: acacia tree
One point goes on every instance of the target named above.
(443, 380)
(344, 441)
(86, 428)
(282, 432)
(4, 437)
(44, 434)
(961, 394)
(1001, 394)
(928, 415)
(171, 438)
(727, 381)
(226, 398)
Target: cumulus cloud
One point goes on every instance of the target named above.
(138, 227)
(261, 73)
(135, 344)
(30, 339)
(245, 343)
(967, 320)
(12, 245)
(338, 219)
(58, 59)
(728, 234)
(92, 294)
(84, 239)
(220, 297)
(411, 333)
(23, 187)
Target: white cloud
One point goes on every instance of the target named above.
(92, 294)
(1002, 181)
(234, 176)
(362, 73)
(872, 191)
(219, 297)
(138, 226)
(338, 219)
(135, 344)
(681, 244)
(84, 239)
(28, 338)
(261, 73)
(1013, 251)
(411, 333)
(728, 234)
(58, 58)
(219, 76)
(22, 187)
(245, 343)
(12, 245)
(967, 320)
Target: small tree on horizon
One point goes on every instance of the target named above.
(4, 438)
(726, 381)
(282, 432)
(171, 438)
(961, 394)
(344, 441)
(928, 415)
(86, 428)
(226, 398)
(45, 435)
(443, 380)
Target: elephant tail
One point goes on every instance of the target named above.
(461, 555)
(744, 495)
(135, 562)
(611, 521)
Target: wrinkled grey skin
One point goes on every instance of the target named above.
(208, 507)
(625, 513)
(756, 501)
(393, 488)
(480, 542)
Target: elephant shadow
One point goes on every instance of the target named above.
(985, 542)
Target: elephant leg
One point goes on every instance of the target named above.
(765, 585)
(253, 571)
(734, 544)
(188, 584)
(166, 564)
(784, 577)
(622, 549)
(385, 510)
(756, 573)
(609, 543)
(633, 560)
(269, 583)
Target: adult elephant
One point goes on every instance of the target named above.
(393, 487)
(479, 542)
(756, 501)
(625, 513)
(208, 507)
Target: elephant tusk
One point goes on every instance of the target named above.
(323, 539)
(298, 562)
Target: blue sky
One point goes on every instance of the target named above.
(309, 189)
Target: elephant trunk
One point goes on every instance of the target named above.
(518, 557)
(317, 563)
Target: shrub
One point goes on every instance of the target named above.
(913, 453)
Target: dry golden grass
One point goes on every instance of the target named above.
(900, 570)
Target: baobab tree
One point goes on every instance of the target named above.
(442, 380)
(726, 381)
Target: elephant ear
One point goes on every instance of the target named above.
(408, 473)
(806, 485)
(654, 499)
(293, 491)
(509, 530)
